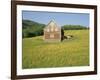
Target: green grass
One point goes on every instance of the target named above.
(70, 52)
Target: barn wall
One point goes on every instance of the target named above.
(56, 35)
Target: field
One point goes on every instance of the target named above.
(69, 52)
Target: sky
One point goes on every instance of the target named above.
(60, 18)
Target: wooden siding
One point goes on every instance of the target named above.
(52, 32)
(56, 35)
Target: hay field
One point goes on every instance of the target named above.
(70, 52)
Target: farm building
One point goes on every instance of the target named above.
(52, 32)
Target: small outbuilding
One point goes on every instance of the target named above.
(52, 32)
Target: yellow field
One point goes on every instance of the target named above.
(69, 52)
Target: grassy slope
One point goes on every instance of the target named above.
(72, 52)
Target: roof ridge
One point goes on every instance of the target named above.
(47, 26)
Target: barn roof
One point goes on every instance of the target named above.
(53, 24)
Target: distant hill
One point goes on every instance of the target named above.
(31, 28)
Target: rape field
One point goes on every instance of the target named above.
(70, 52)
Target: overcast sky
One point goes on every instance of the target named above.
(59, 17)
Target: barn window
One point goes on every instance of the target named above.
(51, 35)
(52, 28)
(56, 29)
(48, 30)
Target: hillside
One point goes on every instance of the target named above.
(31, 28)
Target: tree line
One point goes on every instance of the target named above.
(32, 28)
(74, 27)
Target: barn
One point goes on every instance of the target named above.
(52, 32)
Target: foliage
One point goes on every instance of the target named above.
(74, 27)
(70, 52)
(31, 28)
